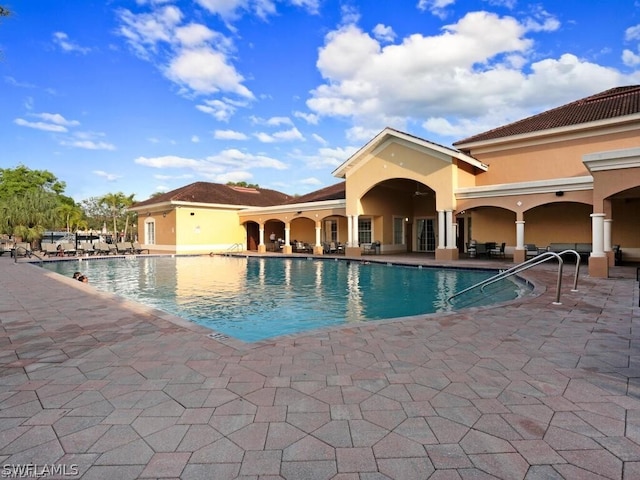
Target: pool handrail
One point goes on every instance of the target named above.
(537, 260)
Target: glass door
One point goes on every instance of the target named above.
(425, 235)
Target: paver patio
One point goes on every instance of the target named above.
(523, 390)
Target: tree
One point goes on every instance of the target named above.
(29, 201)
(117, 203)
(243, 184)
(4, 11)
(72, 216)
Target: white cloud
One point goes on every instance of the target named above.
(57, 119)
(195, 139)
(313, 181)
(384, 33)
(108, 176)
(310, 118)
(88, 144)
(230, 10)
(290, 135)
(205, 70)
(319, 139)
(47, 127)
(479, 68)
(436, 7)
(630, 58)
(229, 135)
(62, 40)
(632, 33)
(327, 157)
(167, 161)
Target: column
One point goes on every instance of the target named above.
(520, 235)
(318, 228)
(451, 241)
(287, 230)
(441, 229)
(261, 235)
(597, 234)
(607, 234)
(349, 230)
(354, 231)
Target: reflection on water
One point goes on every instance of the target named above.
(257, 298)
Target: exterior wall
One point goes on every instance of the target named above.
(396, 160)
(625, 229)
(204, 230)
(557, 158)
(493, 225)
(303, 230)
(558, 223)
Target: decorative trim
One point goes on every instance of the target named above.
(612, 159)
(526, 188)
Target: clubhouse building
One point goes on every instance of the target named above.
(568, 177)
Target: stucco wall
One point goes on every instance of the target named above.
(201, 230)
(551, 160)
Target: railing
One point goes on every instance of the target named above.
(236, 247)
(537, 260)
(27, 253)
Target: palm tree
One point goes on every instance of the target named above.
(117, 204)
(29, 214)
(72, 215)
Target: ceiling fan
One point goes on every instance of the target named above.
(419, 193)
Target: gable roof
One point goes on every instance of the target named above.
(332, 192)
(612, 103)
(390, 134)
(217, 193)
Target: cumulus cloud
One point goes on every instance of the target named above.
(230, 10)
(47, 127)
(50, 122)
(326, 158)
(193, 56)
(480, 68)
(292, 134)
(227, 165)
(88, 144)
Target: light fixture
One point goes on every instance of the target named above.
(164, 214)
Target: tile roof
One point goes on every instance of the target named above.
(332, 192)
(205, 192)
(616, 102)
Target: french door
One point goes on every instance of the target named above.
(425, 235)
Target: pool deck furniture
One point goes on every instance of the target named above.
(527, 389)
(137, 248)
(583, 249)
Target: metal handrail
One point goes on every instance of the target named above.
(543, 257)
(28, 253)
(236, 247)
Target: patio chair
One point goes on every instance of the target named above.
(86, 248)
(68, 248)
(498, 251)
(531, 250)
(137, 248)
(102, 248)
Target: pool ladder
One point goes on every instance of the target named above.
(521, 267)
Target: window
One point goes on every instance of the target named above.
(150, 232)
(398, 230)
(331, 231)
(364, 230)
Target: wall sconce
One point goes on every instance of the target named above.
(164, 214)
(148, 214)
(192, 214)
(559, 193)
(298, 212)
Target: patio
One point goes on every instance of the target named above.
(521, 390)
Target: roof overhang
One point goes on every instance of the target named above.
(389, 135)
(612, 159)
(295, 207)
(572, 184)
(619, 122)
(179, 204)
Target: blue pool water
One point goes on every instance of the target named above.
(252, 298)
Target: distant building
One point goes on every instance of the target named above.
(569, 176)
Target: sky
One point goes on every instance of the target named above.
(145, 96)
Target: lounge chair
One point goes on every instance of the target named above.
(531, 250)
(137, 248)
(124, 247)
(102, 248)
(50, 249)
(68, 248)
(86, 248)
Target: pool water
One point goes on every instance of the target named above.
(252, 298)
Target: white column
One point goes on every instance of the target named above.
(607, 235)
(597, 234)
(287, 230)
(441, 229)
(354, 231)
(261, 234)
(349, 231)
(520, 235)
(318, 228)
(451, 240)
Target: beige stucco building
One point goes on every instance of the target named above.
(568, 176)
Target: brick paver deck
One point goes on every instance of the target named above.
(524, 390)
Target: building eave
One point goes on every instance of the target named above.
(295, 207)
(572, 184)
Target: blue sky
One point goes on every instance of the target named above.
(141, 96)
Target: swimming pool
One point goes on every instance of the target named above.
(255, 298)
